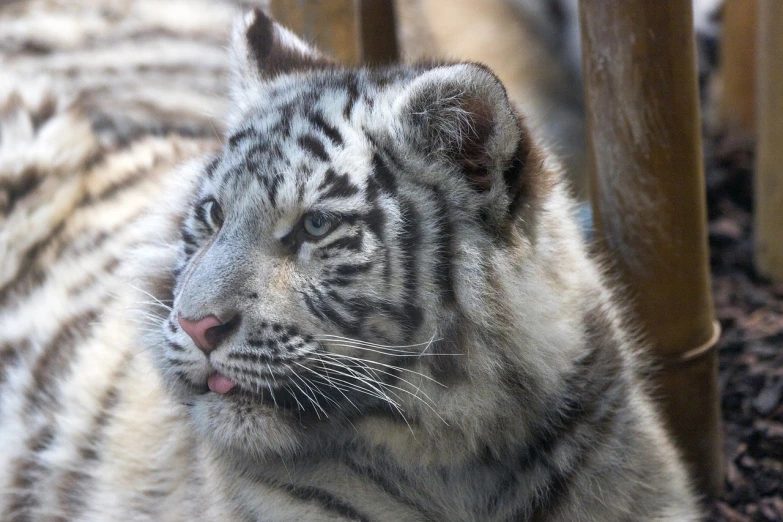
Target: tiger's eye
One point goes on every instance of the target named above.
(316, 226)
(214, 211)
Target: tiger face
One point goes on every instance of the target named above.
(331, 248)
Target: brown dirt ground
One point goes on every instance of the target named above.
(750, 310)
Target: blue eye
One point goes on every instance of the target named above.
(316, 226)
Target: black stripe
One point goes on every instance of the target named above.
(353, 243)
(10, 353)
(211, 168)
(314, 146)
(332, 315)
(200, 213)
(383, 176)
(338, 281)
(188, 238)
(234, 140)
(273, 185)
(31, 272)
(350, 270)
(409, 316)
(331, 132)
(446, 247)
(353, 95)
(18, 188)
(326, 500)
(22, 500)
(55, 358)
(53, 363)
(394, 487)
(87, 243)
(339, 185)
(92, 278)
(311, 306)
(132, 179)
(75, 483)
(591, 397)
(376, 222)
(410, 244)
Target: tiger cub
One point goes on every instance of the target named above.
(372, 304)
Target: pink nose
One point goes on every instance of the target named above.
(200, 332)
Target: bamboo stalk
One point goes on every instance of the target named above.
(737, 99)
(768, 212)
(378, 32)
(649, 206)
(352, 31)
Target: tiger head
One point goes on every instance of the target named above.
(339, 258)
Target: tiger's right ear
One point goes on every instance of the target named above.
(262, 49)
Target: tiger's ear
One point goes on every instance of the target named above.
(262, 49)
(461, 115)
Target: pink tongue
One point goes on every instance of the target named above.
(219, 383)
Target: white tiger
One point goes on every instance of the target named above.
(371, 304)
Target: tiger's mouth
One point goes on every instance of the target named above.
(219, 383)
(286, 395)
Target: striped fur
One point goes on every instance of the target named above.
(446, 350)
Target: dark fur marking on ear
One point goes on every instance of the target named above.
(260, 37)
(270, 56)
(472, 154)
(526, 178)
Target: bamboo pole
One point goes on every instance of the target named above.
(647, 191)
(768, 212)
(352, 31)
(737, 99)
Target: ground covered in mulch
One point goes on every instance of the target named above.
(750, 310)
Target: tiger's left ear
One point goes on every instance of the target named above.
(461, 116)
(262, 49)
